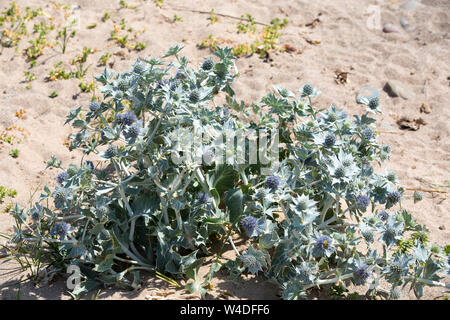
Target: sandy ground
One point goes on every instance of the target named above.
(347, 38)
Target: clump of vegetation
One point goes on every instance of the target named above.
(104, 58)
(106, 17)
(266, 40)
(37, 45)
(58, 72)
(124, 40)
(14, 153)
(213, 17)
(123, 4)
(249, 27)
(5, 192)
(15, 24)
(53, 94)
(180, 174)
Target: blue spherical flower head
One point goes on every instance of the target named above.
(393, 198)
(367, 133)
(94, 106)
(61, 196)
(181, 74)
(202, 197)
(208, 64)
(174, 84)
(308, 89)
(272, 182)
(361, 274)
(362, 201)
(248, 224)
(330, 140)
(60, 229)
(132, 132)
(62, 176)
(139, 67)
(323, 246)
(374, 102)
(383, 215)
(111, 152)
(127, 118)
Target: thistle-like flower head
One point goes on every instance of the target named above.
(132, 132)
(62, 176)
(208, 64)
(393, 198)
(248, 224)
(127, 118)
(330, 140)
(362, 201)
(139, 67)
(111, 152)
(60, 229)
(202, 197)
(94, 106)
(272, 182)
(361, 274)
(254, 260)
(323, 246)
(61, 197)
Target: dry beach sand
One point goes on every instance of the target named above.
(337, 45)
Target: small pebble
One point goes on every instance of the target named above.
(442, 227)
(396, 89)
(390, 28)
(425, 108)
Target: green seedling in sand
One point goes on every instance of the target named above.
(87, 86)
(14, 153)
(6, 138)
(213, 17)
(59, 73)
(249, 27)
(29, 76)
(8, 207)
(65, 34)
(104, 58)
(265, 42)
(79, 62)
(106, 17)
(5, 192)
(91, 26)
(38, 44)
(158, 3)
(123, 4)
(212, 43)
(123, 39)
(177, 18)
(53, 94)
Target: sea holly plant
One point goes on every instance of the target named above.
(172, 172)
